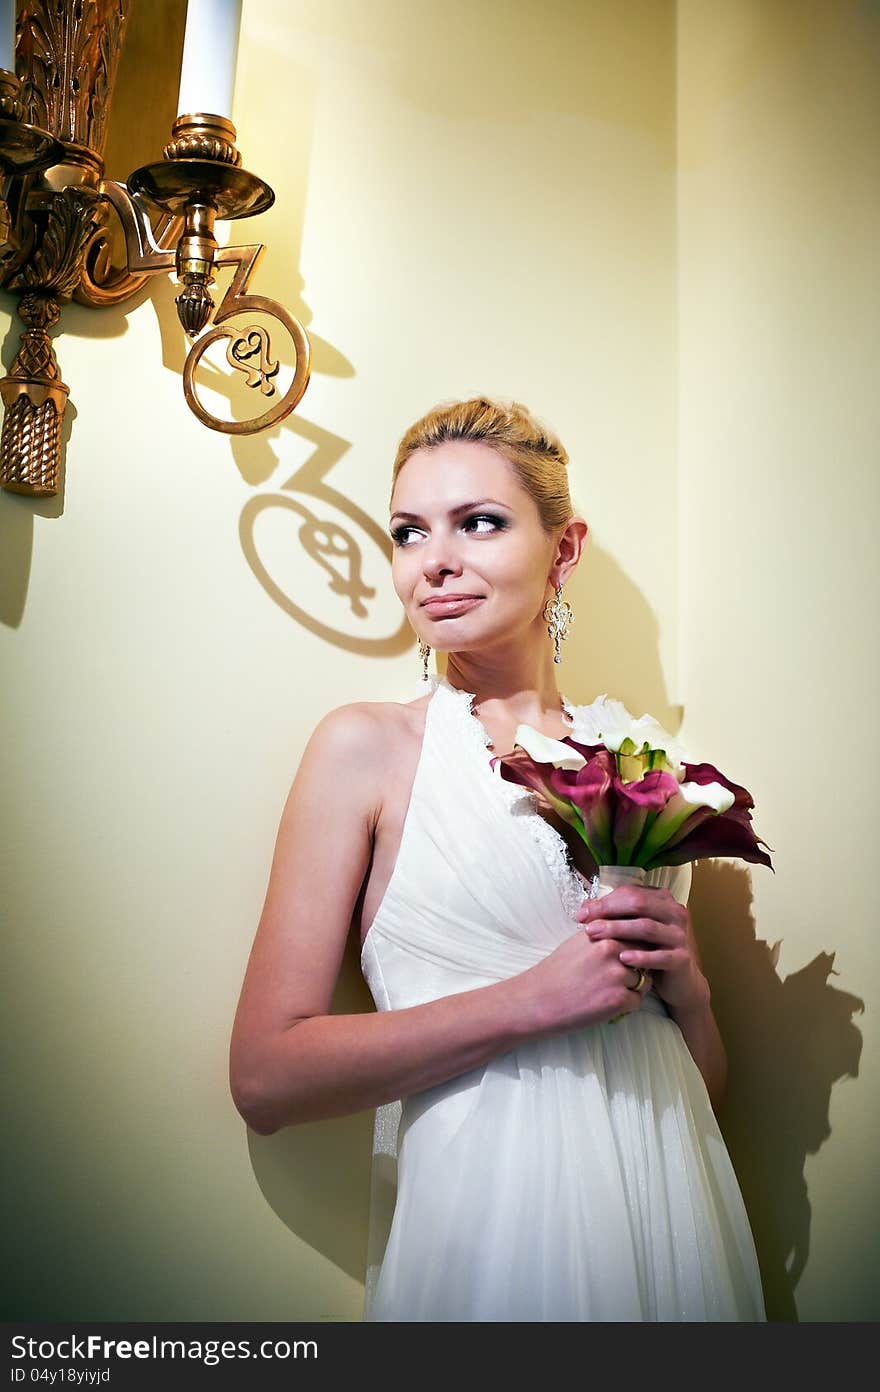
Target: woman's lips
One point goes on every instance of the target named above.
(447, 608)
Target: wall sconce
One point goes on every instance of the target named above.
(57, 214)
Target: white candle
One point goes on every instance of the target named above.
(7, 35)
(210, 49)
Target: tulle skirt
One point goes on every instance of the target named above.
(580, 1176)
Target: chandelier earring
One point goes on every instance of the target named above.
(424, 653)
(559, 616)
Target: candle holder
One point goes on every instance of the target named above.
(56, 232)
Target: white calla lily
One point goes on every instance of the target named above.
(604, 712)
(545, 750)
(713, 795)
(609, 722)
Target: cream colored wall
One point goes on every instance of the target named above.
(779, 306)
(463, 204)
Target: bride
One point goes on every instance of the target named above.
(551, 1162)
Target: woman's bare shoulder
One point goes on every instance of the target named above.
(373, 727)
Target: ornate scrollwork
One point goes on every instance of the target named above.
(62, 226)
(67, 57)
(236, 301)
(254, 344)
(103, 283)
(66, 61)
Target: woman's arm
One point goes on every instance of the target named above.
(331, 1065)
(697, 1024)
(290, 1060)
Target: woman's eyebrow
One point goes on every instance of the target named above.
(453, 512)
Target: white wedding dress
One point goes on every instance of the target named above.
(577, 1176)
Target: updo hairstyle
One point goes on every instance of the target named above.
(536, 455)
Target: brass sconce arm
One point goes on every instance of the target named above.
(147, 253)
(187, 244)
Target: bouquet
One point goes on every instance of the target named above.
(631, 797)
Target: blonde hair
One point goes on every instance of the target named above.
(536, 455)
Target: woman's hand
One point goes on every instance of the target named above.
(653, 931)
(579, 983)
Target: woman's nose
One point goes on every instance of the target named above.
(438, 558)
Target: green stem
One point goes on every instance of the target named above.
(581, 828)
(639, 847)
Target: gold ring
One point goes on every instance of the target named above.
(643, 976)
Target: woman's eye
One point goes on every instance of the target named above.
(498, 523)
(398, 533)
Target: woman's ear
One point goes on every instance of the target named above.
(569, 549)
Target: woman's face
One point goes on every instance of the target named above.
(473, 530)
